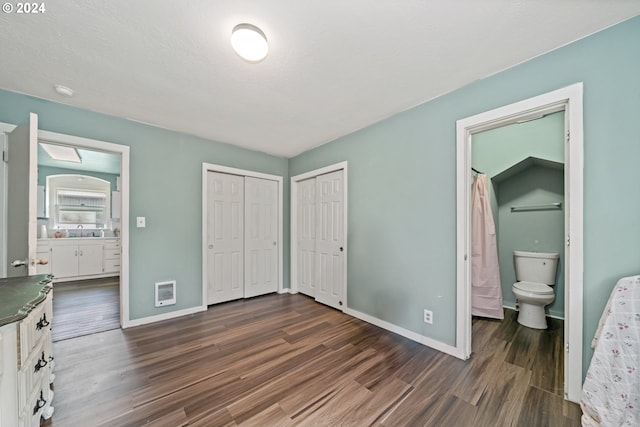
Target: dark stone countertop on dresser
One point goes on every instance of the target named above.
(20, 295)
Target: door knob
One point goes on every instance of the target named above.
(210, 246)
(19, 263)
(341, 249)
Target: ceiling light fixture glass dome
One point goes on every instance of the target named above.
(249, 42)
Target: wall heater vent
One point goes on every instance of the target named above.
(165, 293)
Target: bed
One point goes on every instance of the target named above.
(611, 390)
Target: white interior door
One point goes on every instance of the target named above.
(22, 176)
(261, 236)
(330, 239)
(306, 256)
(225, 237)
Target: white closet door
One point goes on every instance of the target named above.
(261, 236)
(225, 237)
(330, 239)
(306, 256)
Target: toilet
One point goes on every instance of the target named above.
(535, 274)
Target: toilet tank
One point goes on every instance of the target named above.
(539, 267)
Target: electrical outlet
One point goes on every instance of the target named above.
(428, 316)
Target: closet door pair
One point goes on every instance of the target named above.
(321, 238)
(242, 237)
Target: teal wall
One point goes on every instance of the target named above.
(501, 153)
(496, 150)
(165, 187)
(402, 176)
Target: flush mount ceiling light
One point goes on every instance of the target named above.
(64, 90)
(61, 152)
(249, 42)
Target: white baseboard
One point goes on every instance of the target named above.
(413, 336)
(287, 291)
(164, 316)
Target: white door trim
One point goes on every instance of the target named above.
(210, 167)
(568, 99)
(293, 219)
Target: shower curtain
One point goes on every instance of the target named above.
(486, 291)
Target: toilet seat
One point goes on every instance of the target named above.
(534, 288)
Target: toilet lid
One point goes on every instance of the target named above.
(533, 287)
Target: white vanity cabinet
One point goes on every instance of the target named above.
(70, 259)
(80, 258)
(26, 360)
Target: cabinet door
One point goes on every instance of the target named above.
(90, 259)
(64, 261)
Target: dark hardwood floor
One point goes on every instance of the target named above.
(284, 360)
(85, 307)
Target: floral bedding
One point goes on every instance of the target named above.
(611, 391)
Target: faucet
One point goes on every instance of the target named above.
(80, 227)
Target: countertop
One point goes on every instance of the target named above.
(70, 240)
(20, 295)
(63, 239)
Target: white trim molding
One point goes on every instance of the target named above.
(210, 167)
(569, 100)
(165, 316)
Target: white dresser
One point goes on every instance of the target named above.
(26, 359)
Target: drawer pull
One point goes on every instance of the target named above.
(41, 363)
(43, 322)
(39, 403)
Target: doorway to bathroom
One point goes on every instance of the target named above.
(545, 175)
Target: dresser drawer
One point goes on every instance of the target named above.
(34, 327)
(31, 414)
(35, 372)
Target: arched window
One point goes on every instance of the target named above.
(78, 200)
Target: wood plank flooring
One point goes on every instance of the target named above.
(85, 307)
(284, 360)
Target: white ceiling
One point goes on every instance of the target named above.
(333, 67)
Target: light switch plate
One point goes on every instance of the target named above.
(140, 222)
